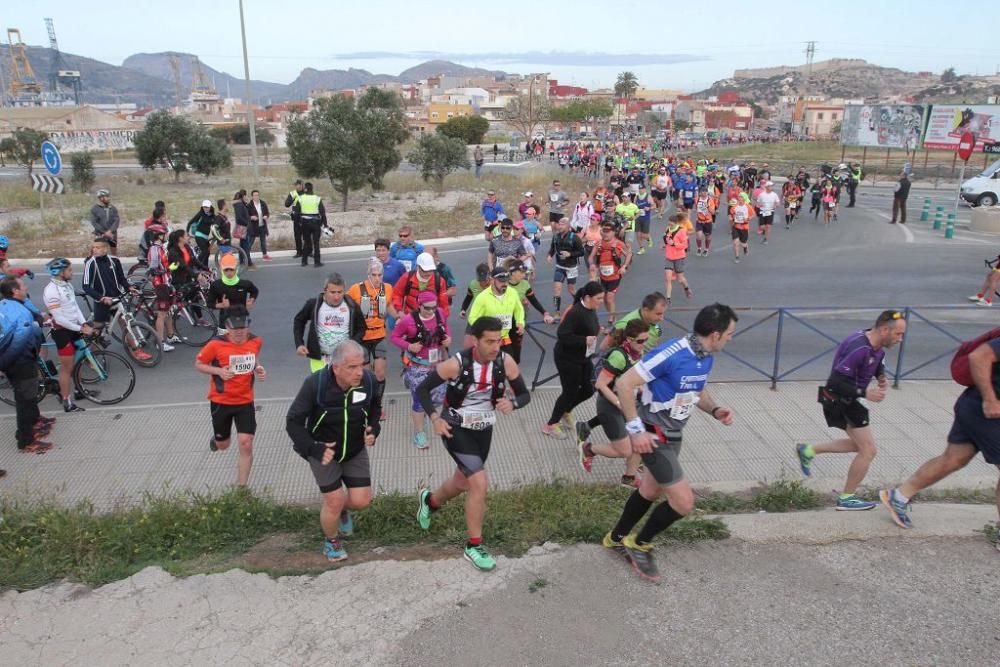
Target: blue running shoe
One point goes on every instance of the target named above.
(334, 550)
(852, 503)
(346, 524)
(898, 510)
(805, 461)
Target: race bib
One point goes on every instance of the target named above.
(683, 403)
(407, 264)
(607, 270)
(242, 364)
(739, 216)
(479, 421)
(571, 272)
(633, 187)
(832, 204)
(505, 321)
(689, 194)
(434, 355)
(702, 207)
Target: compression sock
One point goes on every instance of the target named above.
(708, 243)
(635, 508)
(661, 519)
(432, 503)
(594, 422)
(380, 389)
(475, 541)
(845, 496)
(557, 301)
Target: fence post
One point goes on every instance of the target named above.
(902, 349)
(777, 350)
(925, 214)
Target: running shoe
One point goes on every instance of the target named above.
(266, 258)
(424, 511)
(642, 559)
(554, 431)
(173, 339)
(46, 420)
(853, 504)
(586, 460)
(688, 292)
(629, 482)
(582, 431)
(764, 241)
(615, 547)
(984, 302)
(167, 347)
(641, 251)
(385, 415)
(649, 243)
(567, 421)
(480, 557)
(746, 249)
(212, 444)
(334, 550)
(346, 524)
(736, 260)
(974, 297)
(69, 406)
(141, 355)
(805, 461)
(37, 447)
(420, 440)
(898, 510)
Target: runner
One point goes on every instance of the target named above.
(233, 361)
(374, 296)
(331, 317)
(651, 311)
(705, 213)
(628, 212)
(792, 194)
(675, 247)
(332, 422)
(557, 202)
(672, 378)
(406, 249)
(68, 325)
(767, 202)
(520, 284)
(828, 195)
(477, 381)
(424, 338)
(423, 277)
(500, 302)
(492, 211)
(644, 204)
(610, 260)
(661, 188)
(505, 245)
(566, 250)
(740, 214)
(858, 359)
(626, 348)
(476, 285)
(392, 268)
(231, 290)
(576, 342)
(581, 213)
(976, 428)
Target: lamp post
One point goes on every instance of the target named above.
(249, 103)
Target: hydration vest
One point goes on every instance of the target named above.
(458, 388)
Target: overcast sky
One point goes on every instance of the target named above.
(688, 46)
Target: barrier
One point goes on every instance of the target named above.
(925, 214)
(938, 215)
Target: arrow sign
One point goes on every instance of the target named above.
(46, 183)
(51, 158)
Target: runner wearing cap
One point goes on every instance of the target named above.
(423, 276)
(528, 254)
(374, 297)
(230, 290)
(610, 260)
(505, 245)
(233, 361)
(492, 211)
(503, 303)
(476, 285)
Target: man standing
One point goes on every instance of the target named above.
(19, 362)
(557, 202)
(259, 215)
(104, 218)
(899, 196)
(855, 177)
(477, 157)
(492, 212)
(233, 361)
(976, 428)
(332, 422)
(477, 380)
(68, 325)
(332, 317)
(312, 216)
(672, 378)
(290, 203)
(858, 360)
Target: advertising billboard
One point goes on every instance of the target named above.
(947, 122)
(882, 125)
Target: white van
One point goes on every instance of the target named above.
(983, 190)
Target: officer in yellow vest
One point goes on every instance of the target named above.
(290, 201)
(312, 217)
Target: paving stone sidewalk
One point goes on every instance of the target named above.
(115, 455)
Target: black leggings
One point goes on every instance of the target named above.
(576, 377)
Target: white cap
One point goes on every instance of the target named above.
(426, 262)
(768, 184)
(529, 194)
(206, 203)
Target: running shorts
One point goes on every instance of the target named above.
(663, 462)
(971, 426)
(766, 219)
(659, 195)
(642, 225)
(675, 265)
(611, 286)
(560, 276)
(374, 349)
(612, 420)
(741, 234)
(353, 473)
(469, 448)
(224, 416)
(843, 415)
(704, 227)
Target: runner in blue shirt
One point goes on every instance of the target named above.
(492, 211)
(406, 249)
(672, 377)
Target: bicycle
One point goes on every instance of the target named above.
(227, 249)
(194, 321)
(100, 376)
(140, 341)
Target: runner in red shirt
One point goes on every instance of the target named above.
(609, 260)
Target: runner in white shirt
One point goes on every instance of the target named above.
(661, 188)
(331, 318)
(768, 202)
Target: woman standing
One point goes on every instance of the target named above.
(576, 342)
(200, 228)
(581, 213)
(241, 228)
(424, 337)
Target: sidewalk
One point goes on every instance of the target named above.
(115, 455)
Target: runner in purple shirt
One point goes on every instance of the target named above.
(858, 360)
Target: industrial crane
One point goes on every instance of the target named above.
(59, 72)
(25, 89)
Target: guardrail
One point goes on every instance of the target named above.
(769, 357)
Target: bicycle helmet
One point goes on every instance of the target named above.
(56, 266)
(157, 229)
(103, 193)
(4, 242)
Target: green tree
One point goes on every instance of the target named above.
(949, 76)
(26, 147)
(7, 148)
(681, 125)
(437, 156)
(587, 111)
(240, 134)
(83, 171)
(626, 85)
(205, 154)
(470, 129)
(350, 142)
(181, 144)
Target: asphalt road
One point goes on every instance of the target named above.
(859, 263)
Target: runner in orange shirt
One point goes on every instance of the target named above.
(740, 214)
(705, 212)
(375, 299)
(610, 260)
(675, 246)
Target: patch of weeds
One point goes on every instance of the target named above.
(537, 585)
(785, 496)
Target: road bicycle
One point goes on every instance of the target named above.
(227, 249)
(100, 376)
(194, 321)
(138, 339)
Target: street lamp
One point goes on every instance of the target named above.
(249, 103)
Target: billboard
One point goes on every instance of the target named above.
(947, 122)
(882, 125)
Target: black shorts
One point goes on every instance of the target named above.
(102, 312)
(611, 285)
(972, 427)
(675, 194)
(704, 227)
(843, 415)
(766, 220)
(741, 234)
(611, 418)
(374, 349)
(354, 473)
(642, 226)
(65, 341)
(469, 448)
(223, 416)
(659, 195)
(164, 296)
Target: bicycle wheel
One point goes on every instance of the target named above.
(194, 330)
(104, 377)
(145, 348)
(7, 389)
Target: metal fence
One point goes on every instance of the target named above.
(782, 344)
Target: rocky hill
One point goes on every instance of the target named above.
(157, 65)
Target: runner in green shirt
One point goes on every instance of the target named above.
(651, 311)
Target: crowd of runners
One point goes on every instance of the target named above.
(395, 312)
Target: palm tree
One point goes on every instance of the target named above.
(626, 85)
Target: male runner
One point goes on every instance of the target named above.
(610, 260)
(767, 203)
(374, 298)
(565, 250)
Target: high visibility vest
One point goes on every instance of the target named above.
(294, 194)
(309, 204)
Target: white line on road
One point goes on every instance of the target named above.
(906, 230)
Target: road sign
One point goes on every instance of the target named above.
(966, 144)
(51, 158)
(991, 148)
(46, 183)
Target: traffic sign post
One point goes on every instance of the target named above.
(966, 145)
(51, 158)
(42, 183)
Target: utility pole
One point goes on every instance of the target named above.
(249, 102)
(810, 53)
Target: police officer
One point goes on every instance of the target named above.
(290, 203)
(312, 218)
(854, 179)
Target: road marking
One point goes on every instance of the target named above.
(906, 230)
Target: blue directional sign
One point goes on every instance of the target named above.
(51, 158)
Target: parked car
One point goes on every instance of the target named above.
(983, 190)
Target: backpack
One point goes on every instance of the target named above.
(409, 284)
(423, 336)
(960, 371)
(617, 254)
(458, 389)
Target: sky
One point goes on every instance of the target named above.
(687, 47)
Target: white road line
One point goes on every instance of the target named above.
(906, 230)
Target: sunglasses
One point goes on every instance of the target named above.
(503, 227)
(641, 341)
(428, 306)
(404, 236)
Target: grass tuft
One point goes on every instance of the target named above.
(785, 495)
